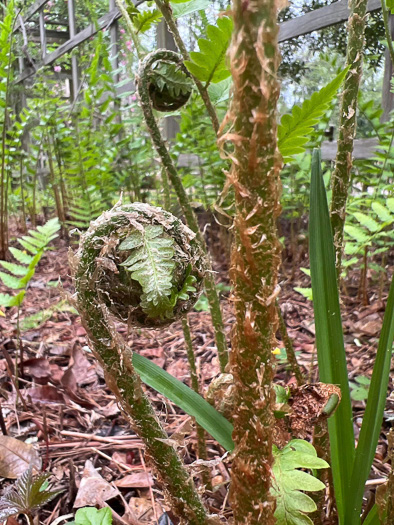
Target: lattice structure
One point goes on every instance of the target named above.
(70, 39)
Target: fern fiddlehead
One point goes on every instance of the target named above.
(119, 272)
(144, 87)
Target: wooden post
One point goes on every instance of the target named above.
(165, 40)
(387, 95)
(43, 36)
(114, 35)
(74, 59)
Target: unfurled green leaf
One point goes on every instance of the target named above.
(329, 334)
(295, 128)
(26, 496)
(291, 504)
(21, 256)
(366, 221)
(145, 20)
(208, 64)
(93, 516)
(382, 212)
(12, 300)
(187, 8)
(189, 401)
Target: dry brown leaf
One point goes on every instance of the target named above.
(139, 479)
(93, 489)
(45, 394)
(16, 456)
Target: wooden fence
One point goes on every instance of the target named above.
(69, 39)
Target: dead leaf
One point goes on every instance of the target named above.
(83, 370)
(93, 489)
(139, 479)
(142, 508)
(69, 383)
(16, 456)
(45, 394)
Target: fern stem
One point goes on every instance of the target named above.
(116, 359)
(130, 27)
(166, 11)
(295, 367)
(255, 261)
(348, 119)
(183, 199)
(201, 441)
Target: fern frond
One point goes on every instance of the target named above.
(21, 256)
(151, 264)
(169, 76)
(145, 20)
(366, 221)
(291, 504)
(295, 128)
(208, 64)
(382, 212)
(356, 233)
(12, 300)
(15, 269)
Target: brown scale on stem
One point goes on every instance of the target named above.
(255, 260)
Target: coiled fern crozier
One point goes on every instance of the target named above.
(139, 264)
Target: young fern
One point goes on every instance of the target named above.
(20, 274)
(294, 129)
(209, 64)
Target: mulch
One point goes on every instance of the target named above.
(73, 420)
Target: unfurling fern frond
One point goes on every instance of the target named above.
(295, 128)
(151, 264)
(169, 76)
(291, 504)
(208, 64)
(151, 270)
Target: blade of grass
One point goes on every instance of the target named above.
(329, 335)
(372, 422)
(185, 398)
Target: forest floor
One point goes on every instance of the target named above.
(64, 409)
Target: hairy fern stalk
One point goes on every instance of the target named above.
(255, 258)
(118, 271)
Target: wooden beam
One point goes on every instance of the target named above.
(79, 38)
(319, 19)
(74, 59)
(32, 11)
(363, 149)
(43, 36)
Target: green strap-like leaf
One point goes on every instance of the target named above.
(188, 400)
(373, 417)
(329, 335)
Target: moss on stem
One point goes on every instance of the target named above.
(95, 258)
(255, 258)
(347, 128)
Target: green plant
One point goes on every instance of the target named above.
(28, 495)
(350, 466)
(20, 274)
(291, 504)
(360, 388)
(92, 516)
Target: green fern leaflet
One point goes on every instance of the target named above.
(208, 64)
(291, 504)
(151, 264)
(294, 129)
